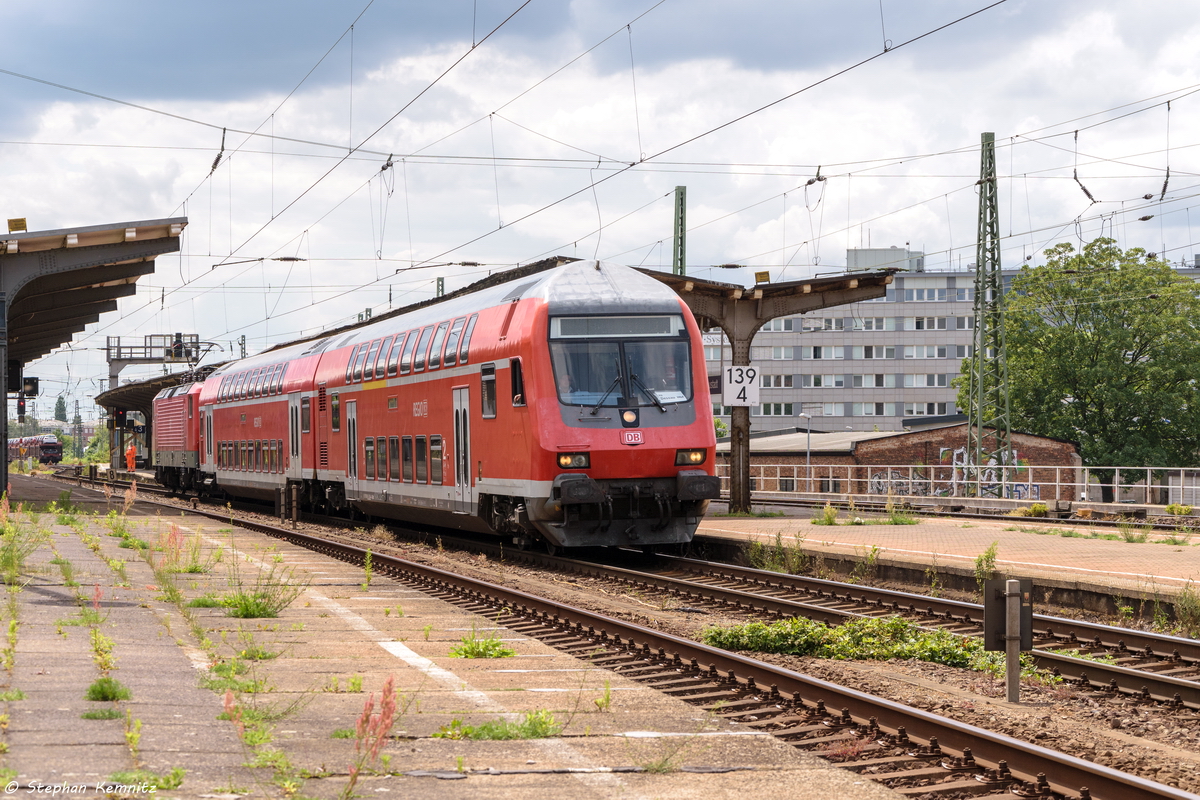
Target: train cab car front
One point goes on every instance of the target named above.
(626, 385)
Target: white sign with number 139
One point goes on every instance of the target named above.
(740, 386)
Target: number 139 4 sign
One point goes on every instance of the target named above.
(740, 387)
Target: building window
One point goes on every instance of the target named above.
(874, 351)
(928, 409)
(874, 410)
(875, 324)
(713, 353)
(831, 410)
(775, 381)
(822, 352)
(925, 351)
(964, 351)
(721, 411)
(962, 295)
(925, 323)
(964, 323)
(874, 381)
(827, 324)
(925, 295)
(777, 325)
(773, 410)
(921, 381)
(822, 381)
(787, 484)
(828, 485)
(781, 353)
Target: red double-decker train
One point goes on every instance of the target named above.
(568, 405)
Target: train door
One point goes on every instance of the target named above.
(294, 462)
(463, 500)
(351, 448)
(206, 440)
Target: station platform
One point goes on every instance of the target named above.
(329, 650)
(1073, 565)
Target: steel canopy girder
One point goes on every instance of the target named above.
(740, 312)
(34, 307)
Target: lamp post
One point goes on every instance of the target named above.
(808, 452)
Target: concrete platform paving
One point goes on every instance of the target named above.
(1025, 547)
(335, 646)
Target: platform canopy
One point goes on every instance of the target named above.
(56, 283)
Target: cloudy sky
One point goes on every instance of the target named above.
(521, 130)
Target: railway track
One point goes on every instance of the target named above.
(1147, 667)
(913, 751)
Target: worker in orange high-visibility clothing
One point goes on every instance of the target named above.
(131, 456)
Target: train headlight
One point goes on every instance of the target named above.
(689, 458)
(629, 417)
(574, 460)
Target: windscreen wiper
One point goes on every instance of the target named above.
(653, 397)
(615, 383)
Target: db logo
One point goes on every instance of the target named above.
(632, 437)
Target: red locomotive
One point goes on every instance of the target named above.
(568, 404)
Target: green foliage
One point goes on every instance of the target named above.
(106, 689)
(136, 777)
(877, 639)
(985, 565)
(828, 516)
(11, 695)
(1103, 350)
(102, 713)
(538, 724)
(1187, 610)
(1179, 509)
(720, 428)
(96, 451)
(271, 590)
(789, 559)
(475, 646)
(342, 733)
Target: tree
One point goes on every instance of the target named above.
(1103, 350)
(97, 448)
(60, 409)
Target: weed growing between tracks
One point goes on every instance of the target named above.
(876, 639)
(273, 589)
(789, 559)
(538, 724)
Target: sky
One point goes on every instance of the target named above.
(386, 143)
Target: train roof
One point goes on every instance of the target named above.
(577, 287)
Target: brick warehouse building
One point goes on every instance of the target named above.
(926, 462)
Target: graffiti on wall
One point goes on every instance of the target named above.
(988, 478)
(898, 481)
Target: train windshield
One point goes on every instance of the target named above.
(617, 361)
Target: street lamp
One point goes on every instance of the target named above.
(808, 452)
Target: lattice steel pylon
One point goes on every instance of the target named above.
(989, 437)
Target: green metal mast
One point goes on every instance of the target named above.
(679, 243)
(989, 440)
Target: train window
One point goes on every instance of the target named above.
(518, 381)
(394, 359)
(435, 349)
(452, 341)
(243, 379)
(435, 459)
(422, 472)
(422, 348)
(208, 432)
(335, 411)
(369, 365)
(350, 363)
(380, 363)
(358, 363)
(369, 457)
(466, 339)
(251, 380)
(406, 458)
(264, 381)
(245, 459)
(279, 455)
(394, 458)
(305, 414)
(258, 456)
(256, 390)
(487, 394)
(191, 404)
(409, 346)
(234, 385)
(279, 379)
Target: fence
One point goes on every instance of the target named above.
(1149, 485)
